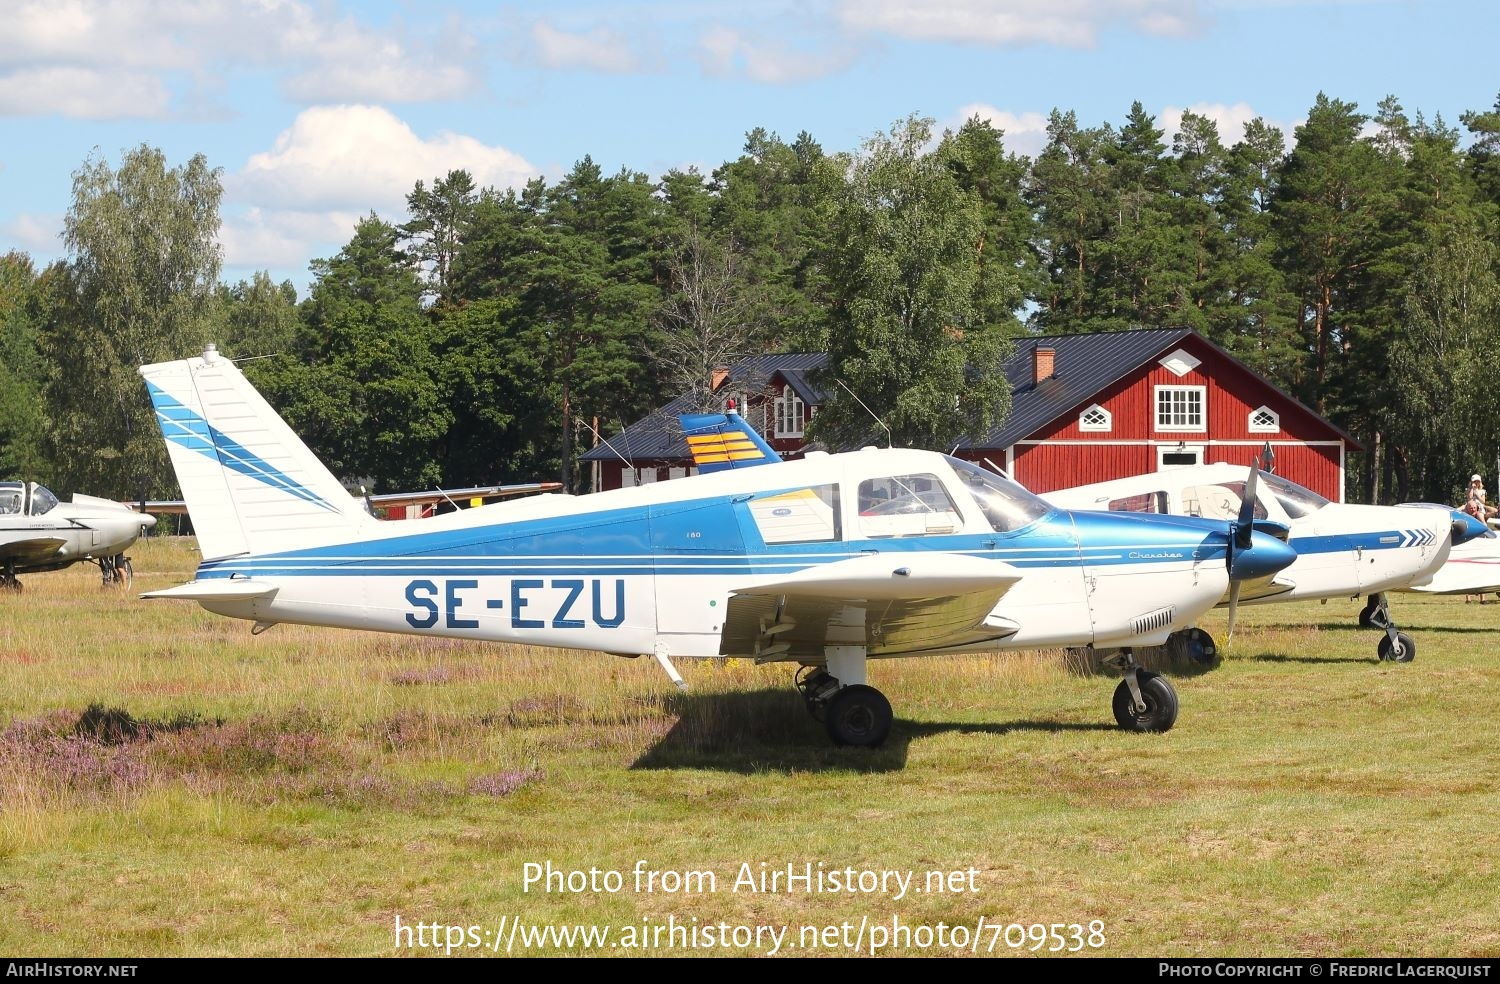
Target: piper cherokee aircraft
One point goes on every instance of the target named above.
(1343, 551)
(40, 533)
(825, 562)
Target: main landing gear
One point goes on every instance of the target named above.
(1397, 646)
(858, 715)
(8, 580)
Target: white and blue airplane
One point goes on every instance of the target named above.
(827, 562)
(1343, 551)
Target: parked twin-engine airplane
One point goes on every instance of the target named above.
(1343, 551)
(825, 562)
(40, 533)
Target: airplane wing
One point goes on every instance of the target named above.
(392, 499)
(890, 603)
(32, 550)
(161, 506)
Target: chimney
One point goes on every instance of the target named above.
(716, 379)
(1042, 359)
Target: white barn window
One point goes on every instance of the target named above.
(1264, 420)
(1095, 418)
(1181, 408)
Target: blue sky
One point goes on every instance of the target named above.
(319, 111)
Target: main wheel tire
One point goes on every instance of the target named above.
(1199, 646)
(1403, 651)
(859, 716)
(1160, 699)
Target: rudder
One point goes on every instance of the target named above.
(249, 481)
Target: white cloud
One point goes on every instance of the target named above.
(38, 235)
(1068, 23)
(363, 157)
(723, 51)
(286, 239)
(149, 48)
(82, 93)
(1025, 133)
(601, 49)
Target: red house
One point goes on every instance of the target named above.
(1084, 409)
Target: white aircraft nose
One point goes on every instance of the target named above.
(148, 521)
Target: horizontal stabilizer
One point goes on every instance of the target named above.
(720, 441)
(227, 588)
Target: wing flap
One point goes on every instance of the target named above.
(888, 603)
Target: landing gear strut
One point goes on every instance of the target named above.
(8, 580)
(858, 715)
(1144, 701)
(1397, 646)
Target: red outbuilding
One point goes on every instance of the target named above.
(1084, 409)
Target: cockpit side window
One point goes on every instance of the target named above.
(11, 498)
(1146, 502)
(809, 515)
(906, 505)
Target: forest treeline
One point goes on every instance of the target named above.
(486, 334)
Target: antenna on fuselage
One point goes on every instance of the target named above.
(888, 442)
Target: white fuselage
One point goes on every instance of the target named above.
(1342, 550)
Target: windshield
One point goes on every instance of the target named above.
(42, 500)
(1005, 504)
(1297, 501)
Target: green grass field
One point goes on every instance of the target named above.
(298, 792)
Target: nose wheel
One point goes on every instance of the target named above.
(1397, 646)
(1144, 701)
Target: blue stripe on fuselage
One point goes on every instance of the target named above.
(718, 537)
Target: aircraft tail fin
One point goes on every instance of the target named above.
(720, 441)
(249, 481)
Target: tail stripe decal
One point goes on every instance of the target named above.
(182, 426)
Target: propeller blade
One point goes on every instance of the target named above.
(1234, 603)
(1245, 524)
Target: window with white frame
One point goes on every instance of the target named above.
(791, 414)
(1095, 418)
(1181, 408)
(1264, 420)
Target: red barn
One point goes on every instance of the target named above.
(1085, 408)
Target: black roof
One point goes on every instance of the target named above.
(1086, 365)
(659, 436)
